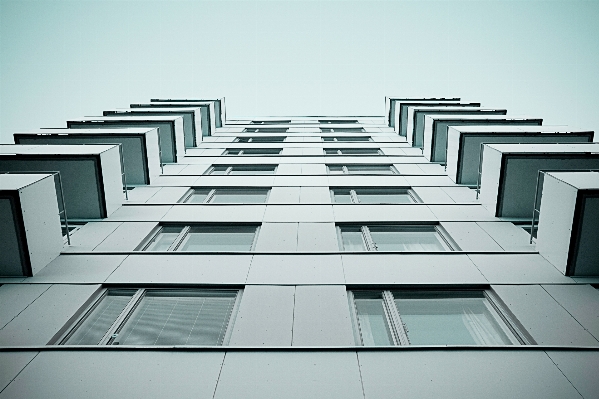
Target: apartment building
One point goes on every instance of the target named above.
(167, 251)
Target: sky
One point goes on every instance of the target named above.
(61, 60)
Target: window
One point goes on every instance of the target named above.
(266, 139)
(342, 129)
(242, 170)
(337, 121)
(408, 317)
(271, 122)
(226, 196)
(347, 138)
(202, 238)
(252, 151)
(265, 130)
(155, 317)
(352, 151)
(371, 169)
(397, 238)
(373, 196)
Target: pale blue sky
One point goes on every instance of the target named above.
(66, 59)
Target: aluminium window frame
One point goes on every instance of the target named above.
(184, 234)
(87, 309)
(355, 198)
(399, 332)
(370, 246)
(345, 169)
(212, 192)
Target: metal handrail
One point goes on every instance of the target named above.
(64, 208)
(536, 211)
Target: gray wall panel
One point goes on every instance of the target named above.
(540, 315)
(517, 269)
(321, 316)
(79, 269)
(119, 374)
(470, 237)
(11, 364)
(265, 316)
(168, 195)
(509, 236)
(580, 368)
(461, 213)
(290, 375)
(42, 319)
(314, 169)
(139, 213)
(141, 194)
(279, 237)
(298, 213)
(284, 195)
(581, 301)
(16, 297)
(90, 236)
(127, 236)
(215, 213)
(460, 194)
(466, 374)
(317, 237)
(296, 269)
(433, 195)
(315, 195)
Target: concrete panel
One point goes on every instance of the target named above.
(415, 181)
(315, 195)
(544, 319)
(288, 151)
(12, 364)
(141, 194)
(509, 236)
(580, 368)
(289, 169)
(183, 269)
(284, 195)
(199, 168)
(301, 181)
(461, 194)
(127, 236)
(462, 374)
(79, 269)
(90, 236)
(365, 181)
(277, 237)
(517, 269)
(298, 213)
(177, 180)
(470, 237)
(433, 195)
(408, 169)
(168, 195)
(17, 297)
(371, 268)
(215, 213)
(296, 269)
(317, 237)
(151, 374)
(383, 213)
(290, 375)
(321, 316)
(581, 301)
(42, 319)
(139, 213)
(461, 213)
(314, 169)
(265, 317)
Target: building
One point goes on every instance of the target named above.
(300, 257)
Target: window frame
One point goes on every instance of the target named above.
(342, 130)
(509, 324)
(336, 139)
(249, 167)
(340, 151)
(355, 197)
(345, 169)
(183, 234)
(87, 309)
(265, 139)
(247, 152)
(265, 129)
(370, 245)
(212, 192)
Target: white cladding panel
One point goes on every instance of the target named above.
(293, 269)
(581, 301)
(517, 269)
(16, 297)
(79, 269)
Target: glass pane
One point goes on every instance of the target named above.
(367, 196)
(349, 138)
(372, 322)
(219, 238)
(262, 151)
(178, 318)
(351, 238)
(97, 323)
(242, 196)
(328, 139)
(342, 196)
(406, 238)
(198, 196)
(360, 151)
(257, 170)
(330, 151)
(458, 318)
(164, 239)
(335, 169)
(370, 169)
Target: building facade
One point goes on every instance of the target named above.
(300, 257)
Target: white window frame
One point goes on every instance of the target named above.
(336, 139)
(399, 333)
(370, 245)
(213, 192)
(120, 322)
(184, 234)
(260, 139)
(241, 151)
(355, 198)
(339, 151)
(229, 168)
(346, 171)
